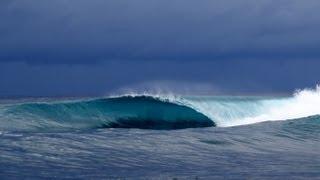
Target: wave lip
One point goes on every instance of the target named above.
(144, 112)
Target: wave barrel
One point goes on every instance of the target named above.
(142, 112)
(150, 113)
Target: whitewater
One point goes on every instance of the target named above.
(162, 136)
(233, 111)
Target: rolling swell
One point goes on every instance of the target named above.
(143, 112)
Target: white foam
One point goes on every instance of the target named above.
(303, 103)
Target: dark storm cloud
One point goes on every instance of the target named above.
(190, 77)
(82, 31)
(92, 47)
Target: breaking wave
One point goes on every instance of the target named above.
(116, 112)
(234, 111)
(156, 112)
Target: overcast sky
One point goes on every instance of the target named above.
(96, 47)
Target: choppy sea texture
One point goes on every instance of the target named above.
(162, 137)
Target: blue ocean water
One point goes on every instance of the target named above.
(161, 137)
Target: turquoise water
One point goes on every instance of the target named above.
(161, 137)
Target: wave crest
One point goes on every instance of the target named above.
(157, 112)
(145, 112)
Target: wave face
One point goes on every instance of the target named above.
(117, 112)
(156, 112)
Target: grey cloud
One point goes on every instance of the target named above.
(208, 77)
(81, 31)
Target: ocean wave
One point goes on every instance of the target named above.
(147, 111)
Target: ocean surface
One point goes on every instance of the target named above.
(144, 136)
